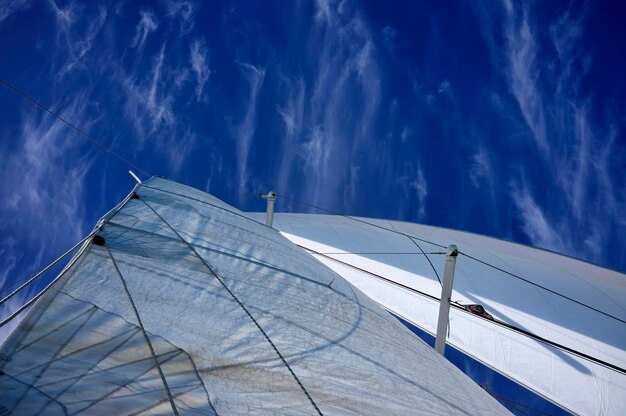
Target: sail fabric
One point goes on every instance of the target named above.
(190, 307)
(573, 303)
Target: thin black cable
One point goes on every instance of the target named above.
(544, 288)
(82, 132)
(467, 255)
(65, 269)
(242, 306)
(395, 253)
(427, 258)
(458, 306)
(145, 334)
(45, 269)
(412, 238)
(358, 220)
(200, 201)
(45, 289)
(432, 266)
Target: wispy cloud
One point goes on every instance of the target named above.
(413, 185)
(315, 153)
(534, 222)
(545, 66)
(42, 185)
(9, 7)
(521, 54)
(148, 107)
(8, 253)
(246, 128)
(480, 170)
(184, 144)
(75, 38)
(338, 132)
(292, 116)
(150, 103)
(421, 188)
(147, 24)
(185, 12)
(42, 157)
(198, 58)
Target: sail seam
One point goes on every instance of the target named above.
(242, 306)
(40, 391)
(145, 335)
(460, 252)
(235, 255)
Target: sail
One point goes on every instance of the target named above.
(183, 305)
(575, 311)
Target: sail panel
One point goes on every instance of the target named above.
(191, 307)
(573, 303)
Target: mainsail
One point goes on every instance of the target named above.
(183, 305)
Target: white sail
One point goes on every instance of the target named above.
(572, 303)
(182, 305)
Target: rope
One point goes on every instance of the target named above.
(466, 255)
(40, 294)
(200, 201)
(359, 220)
(113, 211)
(145, 335)
(395, 253)
(48, 267)
(242, 306)
(458, 306)
(545, 288)
(428, 258)
(412, 238)
(80, 131)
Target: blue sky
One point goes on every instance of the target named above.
(501, 118)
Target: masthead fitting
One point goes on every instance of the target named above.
(452, 251)
(135, 176)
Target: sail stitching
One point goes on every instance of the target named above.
(145, 335)
(460, 252)
(242, 306)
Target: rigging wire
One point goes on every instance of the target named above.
(358, 220)
(395, 253)
(48, 267)
(410, 237)
(544, 288)
(460, 252)
(427, 258)
(73, 126)
(460, 307)
(19, 310)
(44, 290)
